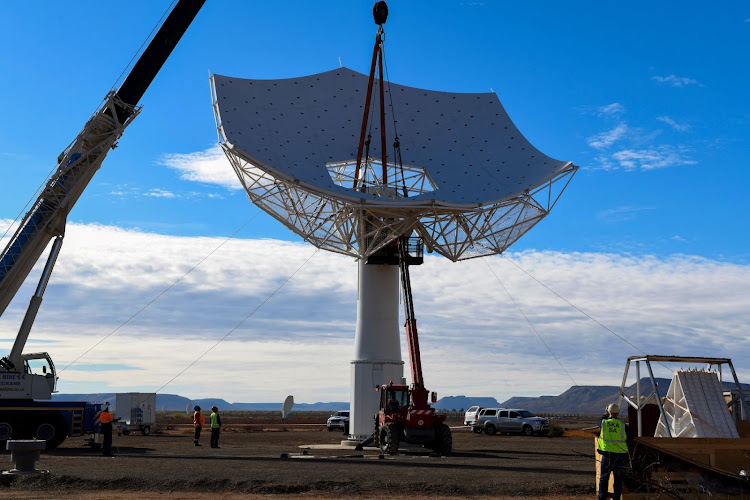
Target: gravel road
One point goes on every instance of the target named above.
(296, 464)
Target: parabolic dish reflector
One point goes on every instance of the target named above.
(468, 182)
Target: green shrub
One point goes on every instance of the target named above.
(555, 430)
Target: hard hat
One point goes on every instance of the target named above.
(613, 409)
(214, 408)
(197, 408)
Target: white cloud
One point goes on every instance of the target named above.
(160, 193)
(614, 109)
(125, 191)
(677, 126)
(606, 139)
(652, 158)
(7, 228)
(210, 166)
(631, 149)
(300, 340)
(620, 214)
(677, 81)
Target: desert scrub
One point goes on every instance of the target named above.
(555, 430)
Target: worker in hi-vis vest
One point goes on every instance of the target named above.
(105, 420)
(198, 422)
(215, 427)
(613, 448)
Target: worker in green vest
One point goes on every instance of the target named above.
(612, 446)
(215, 427)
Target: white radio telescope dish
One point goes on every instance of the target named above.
(470, 182)
(460, 176)
(286, 408)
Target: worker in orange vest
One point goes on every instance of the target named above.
(198, 422)
(106, 419)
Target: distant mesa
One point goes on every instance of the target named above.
(174, 402)
(579, 399)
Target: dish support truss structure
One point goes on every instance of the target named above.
(465, 180)
(337, 225)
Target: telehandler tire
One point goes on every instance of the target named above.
(443, 443)
(376, 436)
(389, 438)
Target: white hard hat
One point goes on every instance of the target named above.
(613, 409)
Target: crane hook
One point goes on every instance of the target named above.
(380, 12)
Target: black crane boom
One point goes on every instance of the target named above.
(78, 163)
(157, 52)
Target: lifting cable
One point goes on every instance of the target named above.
(241, 322)
(379, 67)
(380, 14)
(396, 142)
(148, 38)
(530, 324)
(583, 312)
(139, 311)
(367, 162)
(136, 54)
(576, 307)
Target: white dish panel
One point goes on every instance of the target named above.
(468, 144)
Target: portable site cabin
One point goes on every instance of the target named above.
(136, 411)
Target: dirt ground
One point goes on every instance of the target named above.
(290, 464)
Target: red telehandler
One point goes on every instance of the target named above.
(405, 414)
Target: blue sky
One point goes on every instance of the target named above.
(649, 99)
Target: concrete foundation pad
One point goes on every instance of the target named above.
(339, 446)
(345, 445)
(25, 453)
(22, 472)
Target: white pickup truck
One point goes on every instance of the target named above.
(510, 420)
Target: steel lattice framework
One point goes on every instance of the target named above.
(290, 144)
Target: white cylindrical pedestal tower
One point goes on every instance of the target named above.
(377, 345)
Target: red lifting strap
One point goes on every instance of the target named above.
(377, 60)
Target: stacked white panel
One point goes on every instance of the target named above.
(695, 407)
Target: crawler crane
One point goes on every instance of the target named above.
(27, 381)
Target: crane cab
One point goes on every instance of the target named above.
(38, 380)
